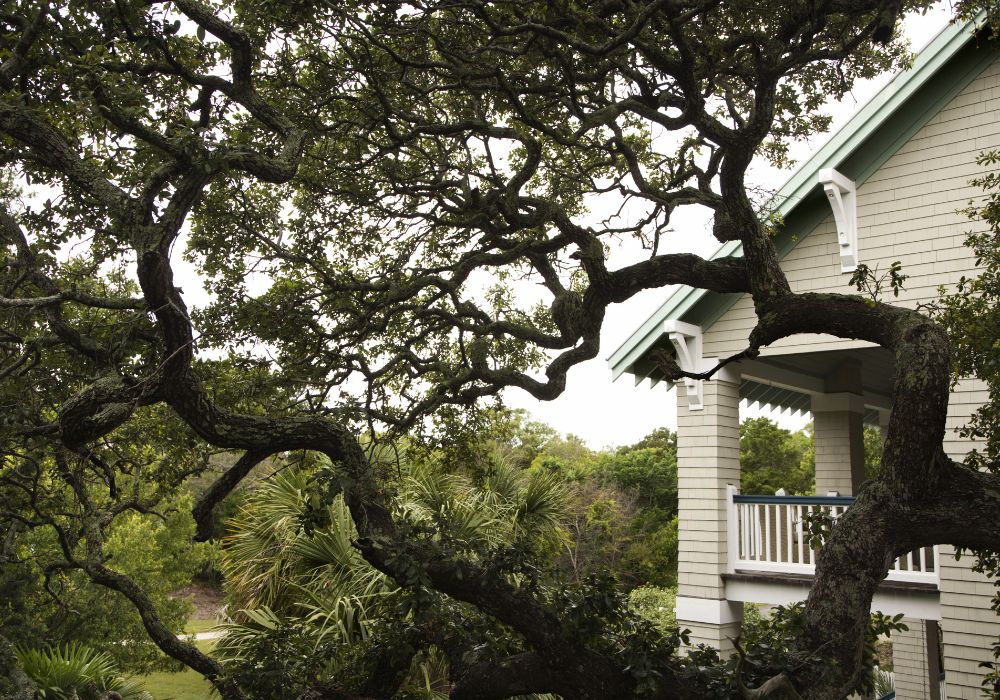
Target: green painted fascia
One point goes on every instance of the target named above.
(922, 104)
(857, 150)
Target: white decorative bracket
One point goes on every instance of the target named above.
(842, 195)
(686, 339)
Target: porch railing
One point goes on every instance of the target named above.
(771, 534)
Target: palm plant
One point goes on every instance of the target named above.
(883, 683)
(77, 672)
(275, 572)
(280, 577)
(509, 506)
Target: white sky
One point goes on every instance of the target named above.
(611, 414)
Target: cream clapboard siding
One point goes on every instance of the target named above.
(969, 627)
(708, 459)
(909, 661)
(910, 211)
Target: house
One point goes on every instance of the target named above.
(888, 186)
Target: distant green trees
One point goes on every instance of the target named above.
(623, 502)
(773, 458)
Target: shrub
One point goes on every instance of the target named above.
(76, 672)
(882, 682)
(656, 605)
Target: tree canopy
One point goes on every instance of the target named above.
(360, 184)
(773, 458)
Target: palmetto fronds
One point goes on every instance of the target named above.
(279, 577)
(76, 671)
(238, 636)
(275, 569)
(542, 503)
(508, 506)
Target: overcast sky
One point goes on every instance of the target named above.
(610, 414)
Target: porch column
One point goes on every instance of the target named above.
(883, 421)
(839, 432)
(708, 461)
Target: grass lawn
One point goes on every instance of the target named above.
(195, 626)
(184, 685)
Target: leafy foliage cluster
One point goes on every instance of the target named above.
(773, 458)
(43, 605)
(307, 608)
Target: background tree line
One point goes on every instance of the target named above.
(586, 514)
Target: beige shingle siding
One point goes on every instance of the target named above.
(970, 628)
(968, 396)
(909, 210)
(711, 635)
(909, 661)
(832, 444)
(708, 459)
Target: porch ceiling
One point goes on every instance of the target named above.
(878, 368)
(786, 382)
(776, 398)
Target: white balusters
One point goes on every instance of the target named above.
(770, 533)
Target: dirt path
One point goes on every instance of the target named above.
(208, 601)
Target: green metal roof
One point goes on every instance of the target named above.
(857, 150)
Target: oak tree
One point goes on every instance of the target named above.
(361, 185)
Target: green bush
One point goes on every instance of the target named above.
(157, 553)
(651, 556)
(882, 682)
(656, 605)
(650, 472)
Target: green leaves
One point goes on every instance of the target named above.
(74, 671)
(773, 458)
(869, 281)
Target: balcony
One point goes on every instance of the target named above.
(769, 534)
(771, 560)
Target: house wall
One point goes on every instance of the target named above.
(909, 661)
(838, 452)
(909, 210)
(708, 462)
(969, 628)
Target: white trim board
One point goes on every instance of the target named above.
(708, 611)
